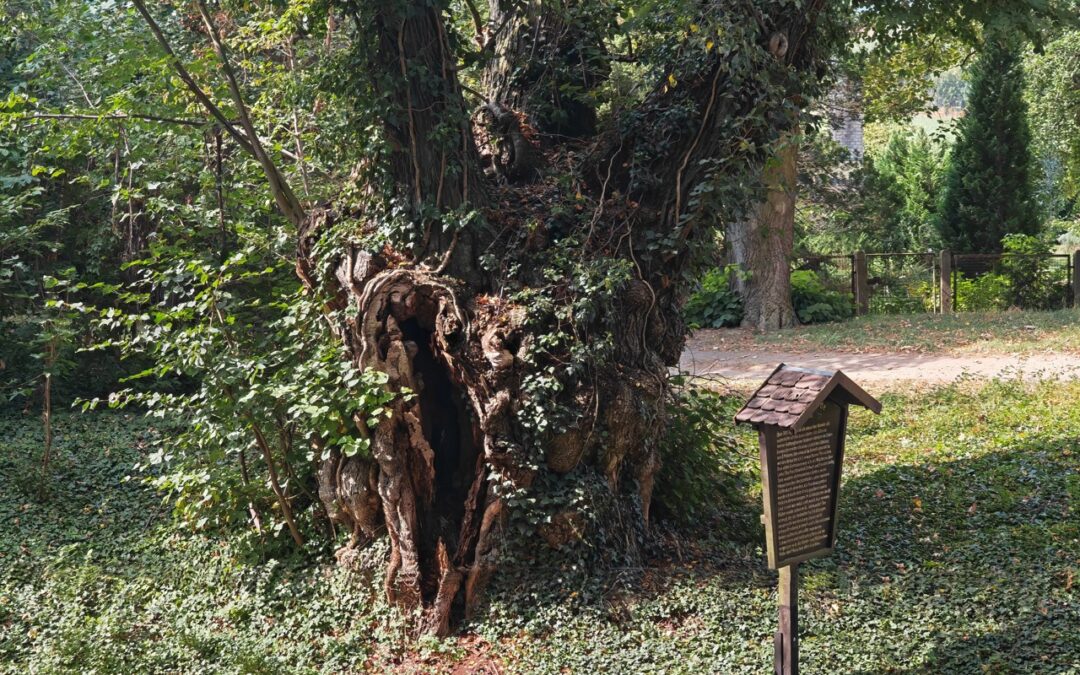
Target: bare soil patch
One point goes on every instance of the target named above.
(733, 359)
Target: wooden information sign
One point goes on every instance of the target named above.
(801, 418)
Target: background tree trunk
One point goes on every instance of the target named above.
(761, 245)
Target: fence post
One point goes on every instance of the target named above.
(862, 284)
(946, 282)
(1076, 278)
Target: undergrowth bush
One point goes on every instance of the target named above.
(1035, 284)
(904, 294)
(1025, 277)
(268, 393)
(984, 293)
(715, 304)
(705, 475)
(816, 303)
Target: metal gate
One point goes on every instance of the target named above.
(903, 283)
(1000, 281)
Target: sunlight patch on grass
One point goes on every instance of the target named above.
(974, 332)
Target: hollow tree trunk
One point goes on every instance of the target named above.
(761, 245)
(427, 478)
(440, 324)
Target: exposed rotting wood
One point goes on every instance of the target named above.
(454, 365)
(437, 322)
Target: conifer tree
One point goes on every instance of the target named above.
(988, 192)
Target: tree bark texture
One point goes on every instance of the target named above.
(413, 70)
(443, 325)
(761, 245)
(546, 62)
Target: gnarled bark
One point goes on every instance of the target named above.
(438, 323)
(459, 354)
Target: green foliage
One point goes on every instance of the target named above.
(951, 89)
(99, 578)
(1053, 99)
(170, 254)
(913, 167)
(1025, 277)
(714, 304)
(907, 294)
(1036, 282)
(259, 388)
(902, 81)
(989, 188)
(888, 202)
(814, 302)
(706, 473)
(968, 488)
(983, 293)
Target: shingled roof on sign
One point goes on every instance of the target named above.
(790, 396)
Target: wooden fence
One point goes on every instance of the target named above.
(946, 282)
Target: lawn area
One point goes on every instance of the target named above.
(962, 333)
(959, 552)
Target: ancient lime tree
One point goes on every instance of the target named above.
(513, 258)
(495, 211)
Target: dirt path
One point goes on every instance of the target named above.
(704, 359)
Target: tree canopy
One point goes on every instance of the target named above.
(988, 193)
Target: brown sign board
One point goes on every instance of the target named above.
(801, 418)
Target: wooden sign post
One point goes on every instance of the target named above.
(801, 418)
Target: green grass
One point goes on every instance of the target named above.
(967, 332)
(959, 552)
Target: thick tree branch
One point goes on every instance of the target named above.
(121, 117)
(478, 23)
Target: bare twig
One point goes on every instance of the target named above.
(249, 140)
(283, 194)
(275, 484)
(46, 408)
(113, 116)
(297, 140)
(75, 79)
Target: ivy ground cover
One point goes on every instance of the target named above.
(959, 552)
